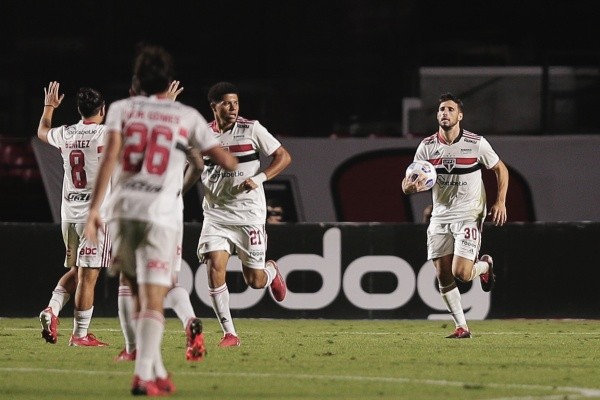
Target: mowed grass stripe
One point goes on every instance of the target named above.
(320, 359)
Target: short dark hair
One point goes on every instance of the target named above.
(89, 102)
(451, 97)
(220, 89)
(153, 69)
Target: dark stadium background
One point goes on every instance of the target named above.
(306, 68)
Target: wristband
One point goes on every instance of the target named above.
(260, 178)
(49, 105)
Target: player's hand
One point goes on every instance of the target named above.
(415, 185)
(93, 224)
(51, 96)
(247, 185)
(174, 90)
(498, 214)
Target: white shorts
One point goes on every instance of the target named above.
(458, 238)
(81, 252)
(144, 251)
(249, 242)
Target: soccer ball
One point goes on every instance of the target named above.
(421, 167)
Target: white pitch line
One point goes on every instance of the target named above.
(578, 392)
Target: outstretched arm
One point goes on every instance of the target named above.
(51, 101)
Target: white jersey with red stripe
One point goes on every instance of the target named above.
(459, 194)
(81, 148)
(223, 203)
(156, 135)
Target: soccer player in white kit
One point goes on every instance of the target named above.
(177, 298)
(235, 208)
(81, 146)
(148, 140)
(459, 205)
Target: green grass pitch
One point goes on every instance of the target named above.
(319, 359)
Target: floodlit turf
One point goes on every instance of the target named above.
(320, 359)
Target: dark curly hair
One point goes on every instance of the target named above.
(220, 89)
(449, 96)
(89, 102)
(153, 69)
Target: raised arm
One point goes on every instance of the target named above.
(52, 100)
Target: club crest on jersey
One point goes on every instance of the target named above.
(448, 163)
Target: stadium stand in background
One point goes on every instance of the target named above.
(22, 193)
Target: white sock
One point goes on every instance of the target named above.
(480, 267)
(452, 300)
(59, 298)
(81, 322)
(179, 301)
(127, 316)
(220, 303)
(149, 333)
(271, 273)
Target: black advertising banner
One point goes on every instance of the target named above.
(346, 271)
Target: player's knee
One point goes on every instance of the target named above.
(462, 276)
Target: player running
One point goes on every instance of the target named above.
(459, 206)
(148, 140)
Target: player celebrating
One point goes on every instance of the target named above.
(459, 205)
(234, 206)
(148, 140)
(177, 298)
(80, 146)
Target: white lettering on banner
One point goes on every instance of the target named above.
(329, 266)
(475, 301)
(379, 301)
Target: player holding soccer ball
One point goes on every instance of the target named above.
(459, 205)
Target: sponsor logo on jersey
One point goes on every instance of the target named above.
(214, 177)
(142, 186)
(442, 181)
(470, 141)
(232, 174)
(82, 197)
